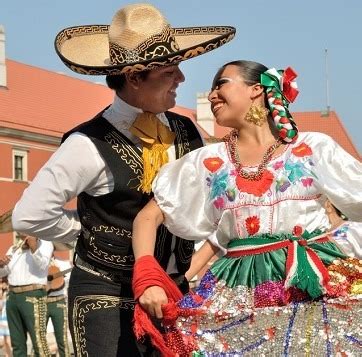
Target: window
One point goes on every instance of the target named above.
(20, 163)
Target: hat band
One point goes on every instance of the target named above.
(155, 46)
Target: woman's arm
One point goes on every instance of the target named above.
(201, 258)
(143, 241)
(145, 228)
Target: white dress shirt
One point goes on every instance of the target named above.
(26, 267)
(75, 167)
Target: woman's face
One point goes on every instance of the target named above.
(230, 97)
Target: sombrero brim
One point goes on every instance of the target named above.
(85, 49)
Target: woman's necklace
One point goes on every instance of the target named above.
(231, 141)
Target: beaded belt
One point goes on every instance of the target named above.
(116, 277)
(24, 288)
(55, 298)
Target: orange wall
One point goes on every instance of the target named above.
(10, 190)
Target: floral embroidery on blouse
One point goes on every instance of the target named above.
(257, 187)
(252, 225)
(220, 193)
(297, 169)
(213, 163)
(341, 232)
(297, 231)
(302, 150)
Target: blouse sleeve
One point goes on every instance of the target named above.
(349, 238)
(180, 190)
(339, 176)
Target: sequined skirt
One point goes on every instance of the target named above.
(219, 320)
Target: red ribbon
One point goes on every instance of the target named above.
(289, 92)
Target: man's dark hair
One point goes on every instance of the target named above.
(117, 81)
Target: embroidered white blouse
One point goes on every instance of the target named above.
(202, 197)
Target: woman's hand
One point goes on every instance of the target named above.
(152, 300)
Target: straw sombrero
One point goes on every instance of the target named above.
(139, 38)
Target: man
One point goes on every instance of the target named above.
(26, 265)
(56, 303)
(109, 164)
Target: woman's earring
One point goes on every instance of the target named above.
(257, 115)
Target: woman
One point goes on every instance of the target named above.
(283, 287)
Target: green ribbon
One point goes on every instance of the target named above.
(268, 80)
(304, 278)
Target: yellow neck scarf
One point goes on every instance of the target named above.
(156, 139)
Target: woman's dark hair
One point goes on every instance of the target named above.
(117, 81)
(340, 214)
(249, 70)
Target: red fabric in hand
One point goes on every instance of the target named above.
(147, 272)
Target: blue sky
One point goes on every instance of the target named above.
(277, 34)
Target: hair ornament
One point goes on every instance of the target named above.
(281, 89)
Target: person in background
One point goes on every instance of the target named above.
(347, 234)
(4, 326)
(109, 163)
(26, 267)
(283, 287)
(58, 277)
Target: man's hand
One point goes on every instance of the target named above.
(4, 261)
(5, 222)
(32, 243)
(152, 299)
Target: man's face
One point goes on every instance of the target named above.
(157, 92)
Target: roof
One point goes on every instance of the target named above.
(50, 103)
(47, 102)
(315, 121)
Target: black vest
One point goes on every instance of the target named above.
(105, 239)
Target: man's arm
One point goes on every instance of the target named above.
(42, 251)
(72, 169)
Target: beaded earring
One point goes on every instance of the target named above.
(257, 115)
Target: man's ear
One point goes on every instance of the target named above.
(133, 79)
(257, 90)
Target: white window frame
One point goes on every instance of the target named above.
(24, 155)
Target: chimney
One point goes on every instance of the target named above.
(2, 57)
(204, 115)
